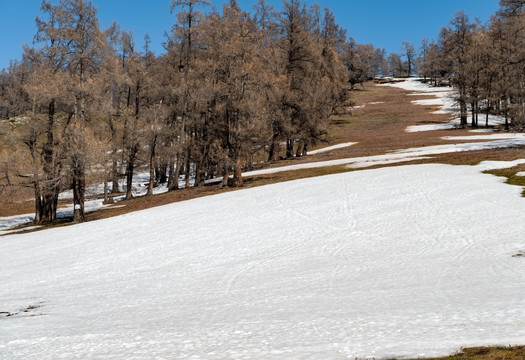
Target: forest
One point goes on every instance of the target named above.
(233, 89)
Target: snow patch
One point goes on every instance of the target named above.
(432, 127)
(330, 148)
(493, 136)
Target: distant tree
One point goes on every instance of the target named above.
(363, 62)
(456, 41)
(432, 65)
(396, 64)
(510, 8)
(409, 52)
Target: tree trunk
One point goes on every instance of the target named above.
(225, 176)
(237, 172)
(152, 166)
(473, 112)
(130, 167)
(31, 143)
(273, 153)
(106, 197)
(506, 109)
(115, 185)
(79, 187)
(38, 203)
(188, 169)
(463, 107)
(51, 180)
(289, 148)
(300, 149)
(477, 113)
(114, 161)
(176, 172)
(171, 175)
(163, 173)
(487, 114)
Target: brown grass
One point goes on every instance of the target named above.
(488, 353)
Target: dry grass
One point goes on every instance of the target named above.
(488, 353)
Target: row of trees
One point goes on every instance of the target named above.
(485, 63)
(231, 89)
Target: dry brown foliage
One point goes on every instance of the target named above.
(378, 128)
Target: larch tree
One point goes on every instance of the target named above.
(298, 59)
(396, 64)
(85, 44)
(456, 41)
(184, 47)
(241, 74)
(409, 52)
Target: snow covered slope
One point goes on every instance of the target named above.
(400, 261)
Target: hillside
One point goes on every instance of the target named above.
(413, 260)
(419, 264)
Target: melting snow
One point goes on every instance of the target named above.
(330, 148)
(496, 136)
(409, 261)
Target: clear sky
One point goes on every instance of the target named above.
(384, 23)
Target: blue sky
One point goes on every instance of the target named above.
(384, 23)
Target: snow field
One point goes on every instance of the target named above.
(401, 261)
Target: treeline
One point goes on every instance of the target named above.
(485, 63)
(231, 89)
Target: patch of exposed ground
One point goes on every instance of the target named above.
(488, 353)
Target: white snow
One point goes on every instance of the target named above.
(492, 136)
(443, 97)
(10, 222)
(409, 261)
(330, 148)
(521, 173)
(431, 127)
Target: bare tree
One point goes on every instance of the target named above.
(409, 52)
